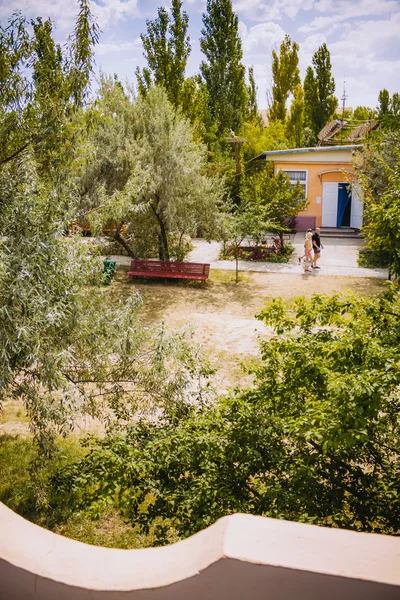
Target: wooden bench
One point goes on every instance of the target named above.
(169, 270)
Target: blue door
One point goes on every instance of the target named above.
(344, 205)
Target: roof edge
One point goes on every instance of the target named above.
(305, 150)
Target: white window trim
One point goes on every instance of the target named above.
(293, 182)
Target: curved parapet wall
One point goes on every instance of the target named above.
(240, 557)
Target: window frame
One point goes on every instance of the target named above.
(293, 181)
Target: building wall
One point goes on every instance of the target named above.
(317, 173)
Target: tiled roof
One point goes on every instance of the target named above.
(330, 130)
(361, 131)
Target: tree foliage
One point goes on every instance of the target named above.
(310, 102)
(278, 200)
(384, 102)
(378, 171)
(316, 439)
(68, 347)
(253, 107)
(363, 113)
(42, 86)
(223, 72)
(146, 174)
(285, 73)
(166, 49)
(319, 87)
(242, 222)
(259, 138)
(389, 110)
(295, 122)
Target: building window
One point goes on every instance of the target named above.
(298, 177)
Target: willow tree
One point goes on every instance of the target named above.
(162, 194)
(60, 357)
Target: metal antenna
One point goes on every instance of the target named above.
(344, 98)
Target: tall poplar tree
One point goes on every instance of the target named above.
(310, 102)
(166, 49)
(295, 122)
(223, 72)
(319, 88)
(253, 108)
(384, 101)
(285, 73)
(42, 86)
(327, 101)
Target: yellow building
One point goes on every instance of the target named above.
(325, 174)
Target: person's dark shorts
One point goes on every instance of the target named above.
(317, 251)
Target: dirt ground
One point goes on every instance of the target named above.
(222, 313)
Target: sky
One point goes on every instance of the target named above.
(363, 37)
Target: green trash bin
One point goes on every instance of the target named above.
(109, 271)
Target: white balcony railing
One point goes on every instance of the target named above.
(240, 557)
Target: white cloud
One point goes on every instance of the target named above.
(257, 10)
(110, 12)
(258, 42)
(108, 47)
(260, 39)
(359, 56)
(198, 5)
(262, 10)
(312, 43)
(361, 46)
(64, 12)
(343, 10)
(292, 7)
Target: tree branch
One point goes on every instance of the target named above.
(9, 158)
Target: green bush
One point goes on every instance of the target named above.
(316, 439)
(274, 253)
(373, 259)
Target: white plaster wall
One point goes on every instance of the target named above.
(239, 557)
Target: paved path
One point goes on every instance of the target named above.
(338, 258)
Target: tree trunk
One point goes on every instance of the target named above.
(118, 238)
(163, 250)
(237, 267)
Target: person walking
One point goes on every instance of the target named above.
(317, 246)
(308, 253)
(305, 238)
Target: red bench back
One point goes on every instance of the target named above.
(164, 266)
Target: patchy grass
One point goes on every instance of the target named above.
(109, 531)
(18, 491)
(222, 313)
(13, 419)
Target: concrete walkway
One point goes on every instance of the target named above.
(338, 258)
